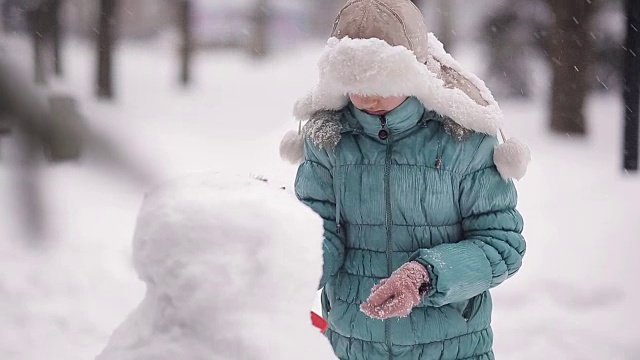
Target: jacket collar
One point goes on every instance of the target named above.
(398, 120)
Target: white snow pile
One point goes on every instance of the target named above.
(231, 266)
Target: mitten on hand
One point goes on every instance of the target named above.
(398, 294)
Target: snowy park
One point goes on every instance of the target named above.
(84, 287)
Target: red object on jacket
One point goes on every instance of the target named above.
(319, 322)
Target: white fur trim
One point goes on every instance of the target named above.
(512, 159)
(292, 147)
(302, 110)
(372, 66)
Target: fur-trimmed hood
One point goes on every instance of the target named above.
(355, 61)
(373, 67)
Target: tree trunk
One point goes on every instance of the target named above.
(259, 38)
(187, 46)
(106, 39)
(571, 55)
(36, 21)
(39, 68)
(7, 7)
(632, 86)
(56, 35)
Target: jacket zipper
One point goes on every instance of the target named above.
(388, 220)
(438, 163)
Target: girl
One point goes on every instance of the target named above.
(402, 162)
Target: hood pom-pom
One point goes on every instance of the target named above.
(512, 159)
(292, 147)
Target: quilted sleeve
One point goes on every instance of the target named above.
(492, 247)
(314, 187)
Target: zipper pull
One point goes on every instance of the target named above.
(383, 134)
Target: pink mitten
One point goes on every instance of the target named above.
(397, 295)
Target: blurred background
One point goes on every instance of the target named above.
(102, 100)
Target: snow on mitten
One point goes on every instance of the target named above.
(397, 295)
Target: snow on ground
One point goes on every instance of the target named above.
(62, 297)
(574, 297)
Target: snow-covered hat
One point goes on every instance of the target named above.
(382, 47)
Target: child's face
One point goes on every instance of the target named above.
(376, 105)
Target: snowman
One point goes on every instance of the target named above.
(231, 265)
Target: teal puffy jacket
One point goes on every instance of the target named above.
(430, 192)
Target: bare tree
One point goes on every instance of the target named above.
(105, 43)
(259, 38)
(571, 50)
(631, 92)
(36, 20)
(513, 32)
(43, 19)
(186, 49)
(6, 10)
(56, 35)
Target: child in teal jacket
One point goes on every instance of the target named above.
(402, 161)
